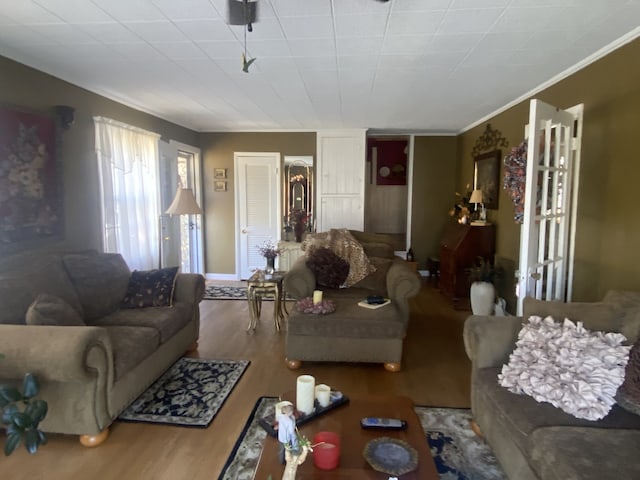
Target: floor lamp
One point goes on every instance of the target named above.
(184, 203)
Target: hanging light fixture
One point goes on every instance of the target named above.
(244, 12)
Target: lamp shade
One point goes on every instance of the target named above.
(476, 196)
(184, 203)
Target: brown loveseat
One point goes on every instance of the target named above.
(353, 333)
(533, 440)
(104, 356)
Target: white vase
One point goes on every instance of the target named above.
(483, 295)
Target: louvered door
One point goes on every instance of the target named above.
(258, 207)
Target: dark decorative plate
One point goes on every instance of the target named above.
(391, 456)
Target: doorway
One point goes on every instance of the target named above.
(182, 235)
(258, 207)
(387, 187)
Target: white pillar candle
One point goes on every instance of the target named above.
(323, 395)
(317, 297)
(305, 394)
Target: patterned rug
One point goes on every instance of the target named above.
(223, 292)
(189, 394)
(458, 453)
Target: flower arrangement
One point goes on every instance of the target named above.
(484, 271)
(461, 210)
(268, 250)
(299, 217)
(306, 305)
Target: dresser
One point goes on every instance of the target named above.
(460, 247)
(289, 253)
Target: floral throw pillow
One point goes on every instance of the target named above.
(150, 288)
(330, 270)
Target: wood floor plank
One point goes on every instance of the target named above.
(435, 372)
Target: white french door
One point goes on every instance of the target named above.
(257, 206)
(182, 235)
(547, 237)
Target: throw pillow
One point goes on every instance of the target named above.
(150, 288)
(628, 395)
(48, 309)
(330, 270)
(568, 366)
(593, 315)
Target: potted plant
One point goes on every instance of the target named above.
(482, 276)
(22, 423)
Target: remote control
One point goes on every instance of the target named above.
(375, 300)
(386, 423)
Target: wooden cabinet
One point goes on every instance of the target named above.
(460, 247)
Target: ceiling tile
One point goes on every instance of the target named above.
(218, 50)
(406, 44)
(75, 11)
(180, 50)
(469, 21)
(137, 51)
(357, 62)
(157, 31)
(360, 25)
(420, 5)
(316, 64)
(358, 45)
(63, 33)
(296, 8)
(28, 12)
(186, 9)
(111, 32)
(312, 47)
(453, 43)
(205, 30)
(361, 7)
(530, 19)
(268, 48)
(307, 27)
(410, 23)
(131, 10)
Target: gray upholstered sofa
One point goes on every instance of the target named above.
(536, 440)
(95, 365)
(353, 333)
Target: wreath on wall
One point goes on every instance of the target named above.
(515, 177)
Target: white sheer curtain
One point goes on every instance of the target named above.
(130, 192)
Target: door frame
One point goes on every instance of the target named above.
(236, 201)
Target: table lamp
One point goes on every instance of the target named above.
(476, 197)
(184, 203)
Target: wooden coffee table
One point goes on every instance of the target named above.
(345, 420)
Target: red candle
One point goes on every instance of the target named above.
(326, 453)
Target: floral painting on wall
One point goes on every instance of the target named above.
(30, 190)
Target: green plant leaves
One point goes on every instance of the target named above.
(12, 442)
(30, 386)
(9, 395)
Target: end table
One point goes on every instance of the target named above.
(259, 286)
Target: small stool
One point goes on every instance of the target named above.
(433, 265)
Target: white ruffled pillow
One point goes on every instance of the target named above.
(568, 366)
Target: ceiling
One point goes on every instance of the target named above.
(432, 66)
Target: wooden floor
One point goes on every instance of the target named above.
(435, 372)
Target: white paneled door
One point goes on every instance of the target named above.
(548, 230)
(257, 206)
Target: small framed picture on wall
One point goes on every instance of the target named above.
(219, 186)
(220, 173)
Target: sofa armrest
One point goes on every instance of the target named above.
(402, 282)
(56, 354)
(490, 340)
(300, 281)
(189, 288)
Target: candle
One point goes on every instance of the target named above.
(323, 395)
(305, 394)
(317, 297)
(326, 453)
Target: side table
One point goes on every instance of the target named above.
(259, 286)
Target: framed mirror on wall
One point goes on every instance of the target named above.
(487, 177)
(298, 193)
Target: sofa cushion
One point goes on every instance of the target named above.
(376, 282)
(567, 365)
(49, 309)
(165, 320)
(100, 279)
(628, 396)
(350, 320)
(594, 316)
(131, 345)
(329, 269)
(150, 288)
(582, 453)
(19, 288)
(523, 415)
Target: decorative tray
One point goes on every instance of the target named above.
(270, 424)
(391, 456)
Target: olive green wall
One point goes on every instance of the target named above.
(607, 255)
(30, 89)
(434, 184)
(219, 207)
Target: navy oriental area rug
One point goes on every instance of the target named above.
(189, 394)
(459, 453)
